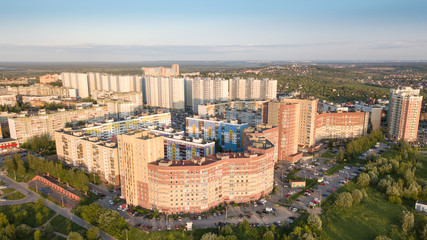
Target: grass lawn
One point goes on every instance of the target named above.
(15, 196)
(7, 191)
(62, 225)
(334, 169)
(328, 154)
(291, 175)
(376, 216)
(136, 234)
(26, 214)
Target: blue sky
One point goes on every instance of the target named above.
(92, 30)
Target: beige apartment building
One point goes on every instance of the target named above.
(136, 150)
(161, 71)
(306, 121)
(199, 184)
(89, 153)
(286, 116)
(48, 78)
(24, 127)
(38, 90)
(194, 185)
(404, 113)
(9, 100)
(341, 125)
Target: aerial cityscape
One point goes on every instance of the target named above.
(213, 120)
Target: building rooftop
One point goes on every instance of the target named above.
(259, 128)
(202, 161)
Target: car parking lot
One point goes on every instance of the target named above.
(260, 213)
(312, 169)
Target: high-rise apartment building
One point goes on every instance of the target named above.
(404, 113)
(207, 90)
(77, 81)
(92, 83)
(110, 129)
(287, 117)
(78, 149)
(165, 92)
(24, 127)
(245, 89)
(136, 150)
(306, 122)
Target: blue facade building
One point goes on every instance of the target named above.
(230, 134)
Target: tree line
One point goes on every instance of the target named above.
(41, 145)
(76, 178)
(362, 144)
(21, 170)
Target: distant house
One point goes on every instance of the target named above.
(297, 183)
(421, 206)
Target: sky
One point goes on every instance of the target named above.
(128, 31)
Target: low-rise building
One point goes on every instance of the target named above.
(297, 183)
(49, 78)
(421, 206)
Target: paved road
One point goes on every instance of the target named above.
(32, 197)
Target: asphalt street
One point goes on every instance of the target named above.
(32, 197)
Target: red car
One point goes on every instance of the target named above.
(323, 184)
(287, 195)
(315, 202)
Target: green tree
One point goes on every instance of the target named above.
(340, 157)
(382, 237)
(10, 231)
(269, 235)
(314, 222)
(297, 232)
(357, 196)
(363, 180)
(39, 204)
(39, 218)
(23, 231)
(74, 236)
(227, 230)
(407, 219)
(170, 236)
(330, 144)
(92, 233)
(344, 199)
(3, 220)
(209, 236)
(37, 235)
(111, 222)
(48, 230)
